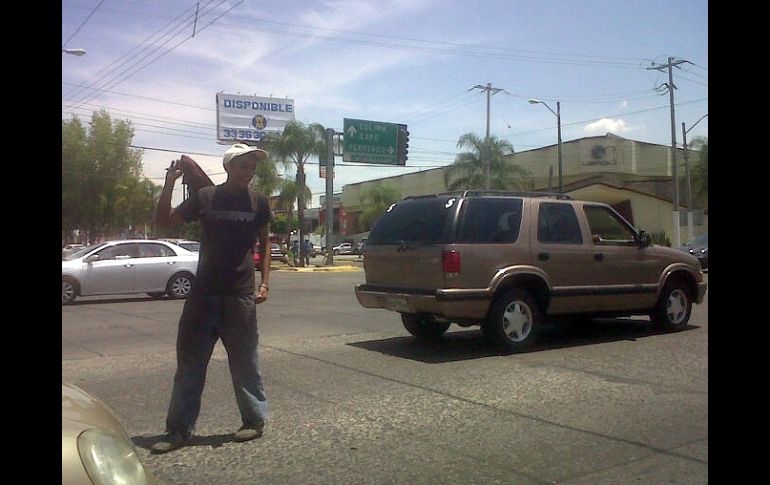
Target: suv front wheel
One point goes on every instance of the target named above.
(674, 307)
(424, 327)
(513, 321)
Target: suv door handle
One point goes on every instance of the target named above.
(543, 256)
(599, 257)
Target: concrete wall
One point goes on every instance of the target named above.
(651, 214)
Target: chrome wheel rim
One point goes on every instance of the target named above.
(181, 287)
(517, 321)
(676, 307)
(67, 291)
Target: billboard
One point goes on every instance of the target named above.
(250, 118)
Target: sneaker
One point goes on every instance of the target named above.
(172, 441)
(247, 433)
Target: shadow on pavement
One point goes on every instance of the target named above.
(470, 344)
(118, 300)
(214, 441)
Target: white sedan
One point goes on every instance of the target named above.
(344, 248)
(125, 267)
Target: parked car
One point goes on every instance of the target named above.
(344, 248)
(193, 246)
(277, 253)
(70, 248)
(508, 262)
(189, 245)
(257, 258)
(95, 447)
(698, 247)
(125, 267)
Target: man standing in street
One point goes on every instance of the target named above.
(223, 299)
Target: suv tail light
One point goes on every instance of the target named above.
(450, 259)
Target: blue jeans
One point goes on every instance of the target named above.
(205, 319)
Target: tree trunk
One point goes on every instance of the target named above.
(301, 212)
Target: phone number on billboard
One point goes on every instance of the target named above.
(234, 134)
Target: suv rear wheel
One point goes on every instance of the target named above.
(674, 307)
(424, 327)
(514, 320)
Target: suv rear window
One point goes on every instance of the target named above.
(490, 220)
(422, 220)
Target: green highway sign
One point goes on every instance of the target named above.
(370, 142)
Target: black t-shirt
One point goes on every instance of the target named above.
(230, 229)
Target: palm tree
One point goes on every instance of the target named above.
(467, 172)
(377, 199)
(287, 195)
(266, 179)
(294, 147)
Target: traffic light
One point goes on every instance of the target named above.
(403, 144)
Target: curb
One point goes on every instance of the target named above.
(327, 269)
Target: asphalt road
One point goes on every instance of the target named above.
(355, 400)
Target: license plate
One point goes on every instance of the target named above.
(397, 304)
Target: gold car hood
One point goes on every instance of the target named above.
(81, 411)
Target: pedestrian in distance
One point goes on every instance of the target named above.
(222, 301)
(308, 250)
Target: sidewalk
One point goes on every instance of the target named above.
(317, 264)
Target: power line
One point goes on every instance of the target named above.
(150, 99)
(105, 71)
(456, 48)
(82, 24)
(113, 83)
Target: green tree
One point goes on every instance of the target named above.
(294, 147)
(283, 225)
(135, 202)
(266, 179)
(467, 171)
(700, 170)
(73, 177)
(376, 201)
(287, 195)
(103, 191)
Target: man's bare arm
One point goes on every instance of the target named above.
(264, 255)
(165, 216)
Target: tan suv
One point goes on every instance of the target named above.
(507, 261)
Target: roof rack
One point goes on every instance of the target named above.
(476, 193)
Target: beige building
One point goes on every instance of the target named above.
(632, 176)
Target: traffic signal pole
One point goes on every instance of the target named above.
(329, 195)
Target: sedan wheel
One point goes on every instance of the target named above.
(69, 291)
(179, 285)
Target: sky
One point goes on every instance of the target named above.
(414, 62)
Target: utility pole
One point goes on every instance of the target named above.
(485, 162)
(674, 175)
(329, 195)
(690, 228)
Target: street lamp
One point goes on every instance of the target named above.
(74, 52)
(690, 230)
(558, 130)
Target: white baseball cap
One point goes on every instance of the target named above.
(240, 149)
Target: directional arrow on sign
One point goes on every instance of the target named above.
(377, 143)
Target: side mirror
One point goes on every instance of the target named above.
(92, 258)
(644, 239)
